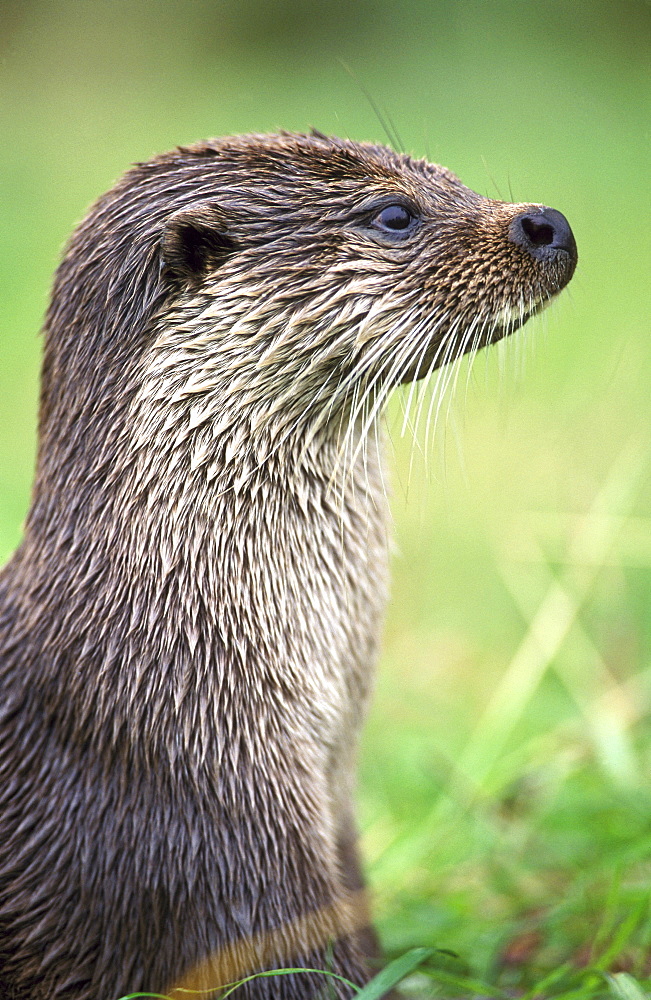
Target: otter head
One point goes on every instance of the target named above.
(284, 284)
(331, 270)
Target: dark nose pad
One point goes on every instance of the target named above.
(542, 233)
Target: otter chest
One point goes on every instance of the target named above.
(303, 585)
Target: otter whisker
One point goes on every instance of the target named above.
(380, 374)
(483, 335)
(443, 376)
(421, 383)
(427, 340)
(438, 362)
(401, 361)
(480, 337)
(440, 359)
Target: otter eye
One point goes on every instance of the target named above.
(394, 219)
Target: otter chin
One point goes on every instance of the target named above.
(189, 628)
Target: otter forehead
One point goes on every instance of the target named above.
(261, 168)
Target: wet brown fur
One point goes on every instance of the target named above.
(188, 630)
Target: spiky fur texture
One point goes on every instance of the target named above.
(188, 630)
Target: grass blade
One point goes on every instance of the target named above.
(393, 973)
(624, 987)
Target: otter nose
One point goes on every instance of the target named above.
(541, 233)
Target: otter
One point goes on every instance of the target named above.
(189, 627)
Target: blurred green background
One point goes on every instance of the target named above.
(504, 787)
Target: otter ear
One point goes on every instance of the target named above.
(195, 240)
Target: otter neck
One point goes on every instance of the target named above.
(210, 574)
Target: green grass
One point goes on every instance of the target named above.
(510, 821)
(504, 796)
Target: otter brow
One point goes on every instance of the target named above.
(373, 204)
